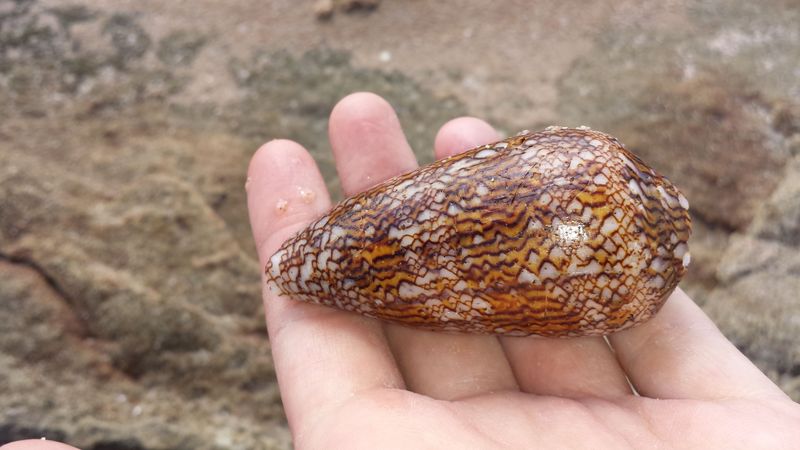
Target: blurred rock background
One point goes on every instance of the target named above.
(130, 313)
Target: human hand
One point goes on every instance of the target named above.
(36, 444)
(352, 382)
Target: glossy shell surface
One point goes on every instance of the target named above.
(561, 232)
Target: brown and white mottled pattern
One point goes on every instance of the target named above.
(563, 232)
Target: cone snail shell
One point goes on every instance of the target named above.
(561, 232)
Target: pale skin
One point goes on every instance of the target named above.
(350, 382)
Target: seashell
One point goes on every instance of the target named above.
(562, 232)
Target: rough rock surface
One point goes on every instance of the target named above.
(757, 301)
(130, 312)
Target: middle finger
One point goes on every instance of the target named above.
(369, 147)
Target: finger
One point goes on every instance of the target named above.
(462, 134)
(680, 354)
(449, 355)
(449, 366)
(322, 356)
(575, 368)
(36, 444)
(285, 192)
(367, 142)
(365, 133)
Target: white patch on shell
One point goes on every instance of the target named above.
(557, 253)
(534, 224)
(631, 165)
(481, 304)
(275, 263)
(658, 265)
(670, 200)
(533, 259)
(635, 188)
(609, 226)
(461, 164)
(584, 252)
(444, 273)
(575, 162)
(528, 277)
(429, 276)
(395, 233)
(548, 270)
(402, 187)
(488, 153)
(680, 250)
(575, 206)
(656, 282)
(408, 291)
(570, 233)
(337, 233)
(324, 220)
(426, 214)
(600, 179)
(593, 268)
(460, 285)
(683, 202)
(448, 314)
(453, 209)
(306, 269)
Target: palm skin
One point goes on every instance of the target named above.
(351, 382)
(393, 418)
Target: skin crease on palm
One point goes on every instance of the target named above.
(351, 382)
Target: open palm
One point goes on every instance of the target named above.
(351, 382)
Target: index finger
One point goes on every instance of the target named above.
(322, 356)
